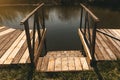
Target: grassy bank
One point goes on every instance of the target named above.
(109, 71)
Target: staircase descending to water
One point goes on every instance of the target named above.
(26, 46)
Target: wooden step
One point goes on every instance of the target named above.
(51, 63)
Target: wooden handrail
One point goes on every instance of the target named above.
(96, 19)
(87, 32)
(31, 13)
(89, 57)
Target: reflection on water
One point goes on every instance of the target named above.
(62, 24)
(11, 16)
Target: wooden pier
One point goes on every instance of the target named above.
(14, 50)
(25, 46)
(13, 46)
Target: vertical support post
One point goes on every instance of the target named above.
(85, 23)
(43, 26)
(43, 18)
(34, 31)
(93, 43)
(81, 18)
(29, 42)
(38, 27)
(44, 29)
(31, 52)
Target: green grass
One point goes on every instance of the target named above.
(109, 71)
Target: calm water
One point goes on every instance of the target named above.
(61, 22)
(11, 16)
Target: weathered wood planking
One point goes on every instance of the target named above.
(6, 31)
(13, 46)
(62, 63)
(107, 44)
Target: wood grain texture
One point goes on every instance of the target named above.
(51, 64)
(63, 63)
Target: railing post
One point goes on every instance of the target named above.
(43, 18)
(93, 43)
(85, 23)
(29, 42)
(38, 27)
(81, 18)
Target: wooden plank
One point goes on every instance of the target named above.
(99, 53)
(6, 31)
(89, 58)
(78, 63)
(20, 54)
(114, 47)
(2, 27)
(84, 63)
(64, 64)
(38, 67)
(117, 35)
(15, 51)
(7, 53)
(107, 47)
(51, 64)
(58, 54)
(8, 42)
(104, 53)
(6, 38)
(113, 57)
(108, 50)
(58, 64)
(24, 57)
(114, 34)
(118, 31)
(71, 63)
(44, 65)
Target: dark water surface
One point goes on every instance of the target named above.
(109, 16)
(61, 22)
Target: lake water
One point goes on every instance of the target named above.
(61, 22)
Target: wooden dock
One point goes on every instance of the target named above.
(25, 46)
(107, 44)
(14, 50)
(13, 46)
